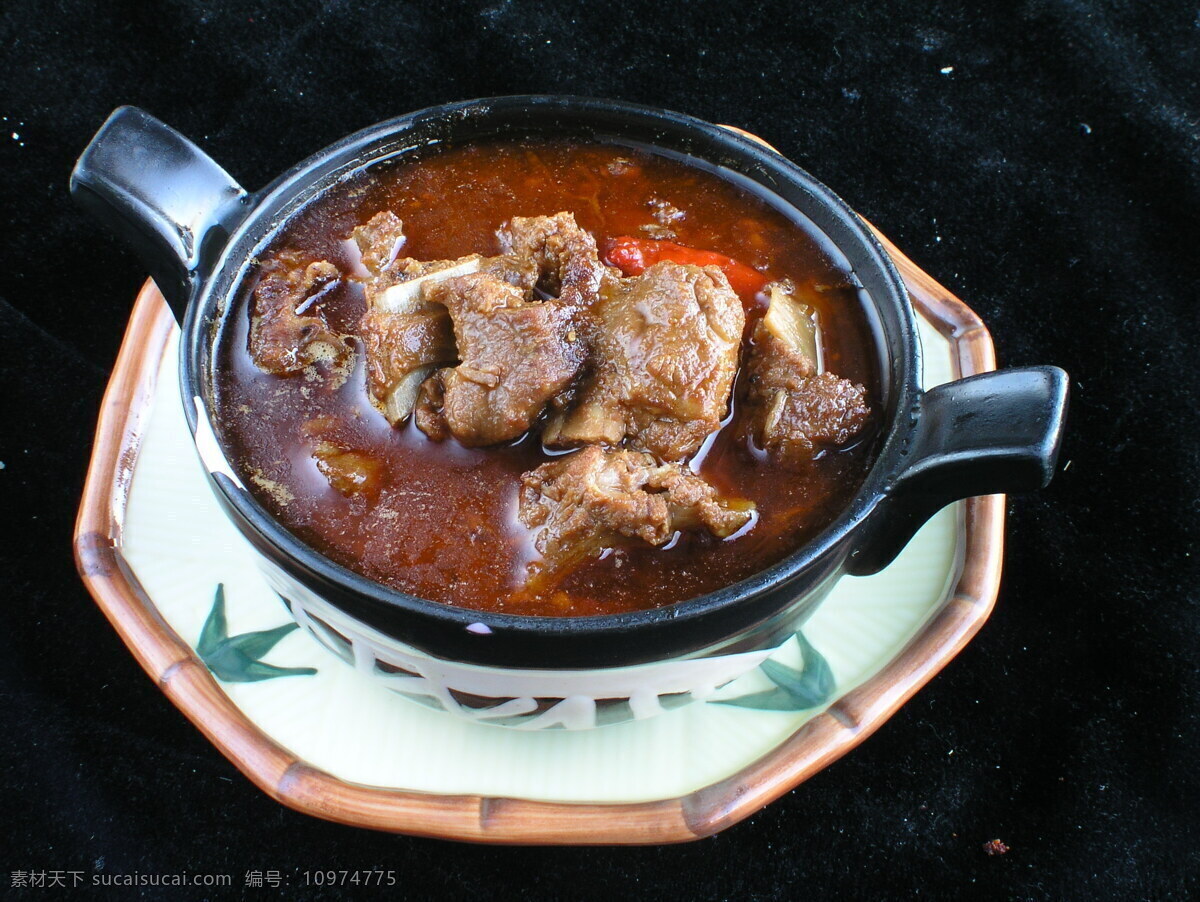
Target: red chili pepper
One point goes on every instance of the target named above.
(632, 256)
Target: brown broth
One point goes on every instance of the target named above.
(444, 525)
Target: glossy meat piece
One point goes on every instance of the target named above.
(403, 350)
(594, 497)
(405, 337)
(794, 409)
(564, 255)
(287, 329)
(665, 353)
(825, 410)
(380, 242)
(515, 356)
(408, 332)
(349, 471)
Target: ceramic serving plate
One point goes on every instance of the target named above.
(181, 587)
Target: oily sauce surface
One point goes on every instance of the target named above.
(444, 525)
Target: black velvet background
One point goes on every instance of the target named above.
(1041, 159)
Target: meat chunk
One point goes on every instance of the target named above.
(825, 410)
(287, 329)
(349, 471)
(411, 326)
(563, 255)
(380, 242)
(405, 337)
(793, 409)
(665, 353)
(403, 350)
(515, 356)
(593, 497)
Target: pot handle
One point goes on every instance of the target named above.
(995, 432)
(172, 205)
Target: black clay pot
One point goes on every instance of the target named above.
(197, 230)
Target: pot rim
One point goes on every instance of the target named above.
(275, 204)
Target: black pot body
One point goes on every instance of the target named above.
(197, 230)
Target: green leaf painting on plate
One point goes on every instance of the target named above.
(795, 690)
(237, 659)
